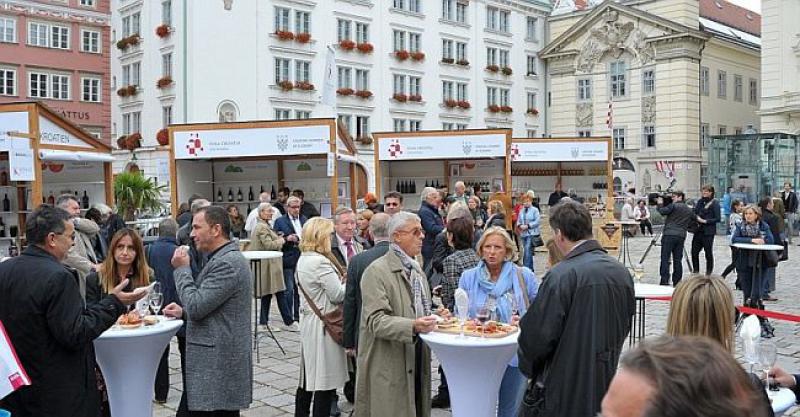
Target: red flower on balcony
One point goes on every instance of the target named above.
(123, 92)
(345, 91)
(284, 35)
(415, 98)
(462, 62)
(506, 109)
(507, 71)
(132, 141)
(365, 48)
(132, 90)
(365, 94)
(448, 60)
(121, 141)
(304, 85)
(303, 37)
(286, 85)
(163, 31)
(164, 82)
(401, 55)
(493, 108)
(450, 103)
(163, 137)
(347, 44)
(464, 104)
(418, 56)
(133, 39)
(124, 43)
(400, 97)
(492, 68)
(533, 112)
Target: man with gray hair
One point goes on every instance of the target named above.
(252, 217)
(431, 221)
(460, 192)
(290, 227)
(81, 256)
(352, 297)
(198, 259)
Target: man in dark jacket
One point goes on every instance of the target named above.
(198, 259)
(679, 215)
(352, 297)
(556, 195)
(307, 209)
(431, 222)
(572, 336)
(290, 227)
(707, 212)
(159, 257)
(49, 325)
(789, 198)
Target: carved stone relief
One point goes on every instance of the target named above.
(614, 37)
(649, 109)
(583, 114)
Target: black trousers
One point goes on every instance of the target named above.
(671, 247)
(645, 224)
(706, 244)
(161, 387)
(732, 266)
(322, 401)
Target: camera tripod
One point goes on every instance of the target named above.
(657, 241)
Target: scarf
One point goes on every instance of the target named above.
(751, 230)
(496, 291)
(414, 275)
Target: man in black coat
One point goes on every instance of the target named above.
(789, 198)
(290, 227)
(352, 297)
(49, 325)
(307, 209)
(572, 336)
(676, 225)
(432, 222)
(198, 259)
(707, 211)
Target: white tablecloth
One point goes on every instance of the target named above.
(474, 369)
(129, 360)
(782, 400)
(652, 290)
(751, 246)
(253, 255)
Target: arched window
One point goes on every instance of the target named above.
(228, 112)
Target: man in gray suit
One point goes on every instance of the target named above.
(216, 307)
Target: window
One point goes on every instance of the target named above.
(505, 95)
(343, 31)
(648, 81)
(461, 51)
(399, 84)
(415, 86)
(39, 85)
(126, 75)
(491, 56)
(617, 74)
(136, 73)
(38, 34)
(362, 33)
(281, 19)
(584, 89)
(414, 42)
(302, 114)
(88, 3)
(130, 24)
(399, 125)
(649, 136)
(447, 126)
(413, 6)
(738, 88)
(415, 125)
(344, 77)
(704, 81)
(704, 135)
(281, 70)
(505, 61)
(584, 133)
(90, 89)
(462, 126)
(461, 12)
(302, 71)
(166, 12)
(302, 22)
(448, 9)
(8, 82)
(504, 24)
(722, 84)
(346, 121)
(283, 114)
(90, 41)
(531, 67)
(399, 4)
(166, 65)
(166, 116)
(447, 49)
(531, 26)
(491, 18)
(461, 92)
(447, 90)
(722, 130)
(491, 96)
(362, 126)
(532, 101)
(8, 29)
(135, 19)
(362, 80)
(399, 40)
(531, 133)
(753, 92)
(60, 86)
(131, 122)
(619, 139)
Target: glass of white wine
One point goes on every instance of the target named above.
(638, 273)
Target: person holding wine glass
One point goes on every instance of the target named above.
(754, 231)
(498, 286)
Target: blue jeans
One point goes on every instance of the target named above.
(527, 252)
(768, 281)
(512, 389)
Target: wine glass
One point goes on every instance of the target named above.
(512, 301)
(143, 307)
(638, 273)
(767, 355)
(483, 316)
(156, 299)
(463, 314)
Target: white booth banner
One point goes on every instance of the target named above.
(439, 147)
(56, 155)
(53, 134)
(20, 162)
(559, 151)
(227, 143)
(12, 122)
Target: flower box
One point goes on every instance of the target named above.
(304, 85)
(163, 137)
(164, 82)
(286, 85)
(415, 98)
(365, 48)
(506, 109)
(507, 71)
(401, 55)
(303, 37)
(133, 141)
(133, 39)
(448, 60)
(450, 103)
(121, 141)
(125, 42)
(418, 56)
(347, 44)
(492, 68)
(123, 92)
(365, 94)
(463, 104)
(132, 90)
(365, 140)
(284, 35)
(462, 62)
(345, 91)
(493, 108)
(533, 112)
(402, 98)
(127, 91)
(163, 31)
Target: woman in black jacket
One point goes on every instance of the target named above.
(707, 212)
(776, 228)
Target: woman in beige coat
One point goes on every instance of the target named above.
(323, 363)
(271, 273)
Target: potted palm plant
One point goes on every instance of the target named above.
(134, 193)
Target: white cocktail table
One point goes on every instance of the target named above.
(642, 293)
(255, 257)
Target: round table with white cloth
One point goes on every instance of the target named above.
(642, 292)
(781, 400)
(129, 359)
(474, 369)
(255, 257)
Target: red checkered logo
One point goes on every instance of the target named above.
(194, 146)
(395, 149)
(514, 152)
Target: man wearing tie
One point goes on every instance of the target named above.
(290, 227)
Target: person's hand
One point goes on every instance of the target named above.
(98, 267)
(515, 320)
(757, 241)
(437, 291)
(173, 310)
(783, 378)
(180, 257)
(523, 227)
(291, 238)
(128, 298)
(351, 352)
(425, 324)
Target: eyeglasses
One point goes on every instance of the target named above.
(70, 237)
(391, 204)
(416, 231)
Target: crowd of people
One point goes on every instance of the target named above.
(361, 287)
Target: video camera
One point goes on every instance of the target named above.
(652, 198)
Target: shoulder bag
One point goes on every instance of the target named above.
(333, 322)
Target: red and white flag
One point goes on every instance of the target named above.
(610, 116)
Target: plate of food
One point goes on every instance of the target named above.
(130, 320)
(492, 329)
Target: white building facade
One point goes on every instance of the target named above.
(780, 63)
(400, 65)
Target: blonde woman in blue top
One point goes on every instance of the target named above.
(497, 278)
(528, 228)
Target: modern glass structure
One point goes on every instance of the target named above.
(755, 165)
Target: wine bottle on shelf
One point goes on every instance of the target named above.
(219, 195)
(272, 195)
(250, 195)
(230, 194)
(413, 186)
(262, 190)
(12, 250)
(239, 195)
(85, 200)
(6, 203)
(397, 185)
(2, 228)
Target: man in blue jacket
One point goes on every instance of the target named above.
(290, 227)
(431, 221)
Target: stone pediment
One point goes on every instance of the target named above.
(613, 29)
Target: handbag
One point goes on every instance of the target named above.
(785, 252)
(771, 258)
(12, 374)
(536, 241)
(332, 322)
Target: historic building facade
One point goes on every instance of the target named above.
(780, 63)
